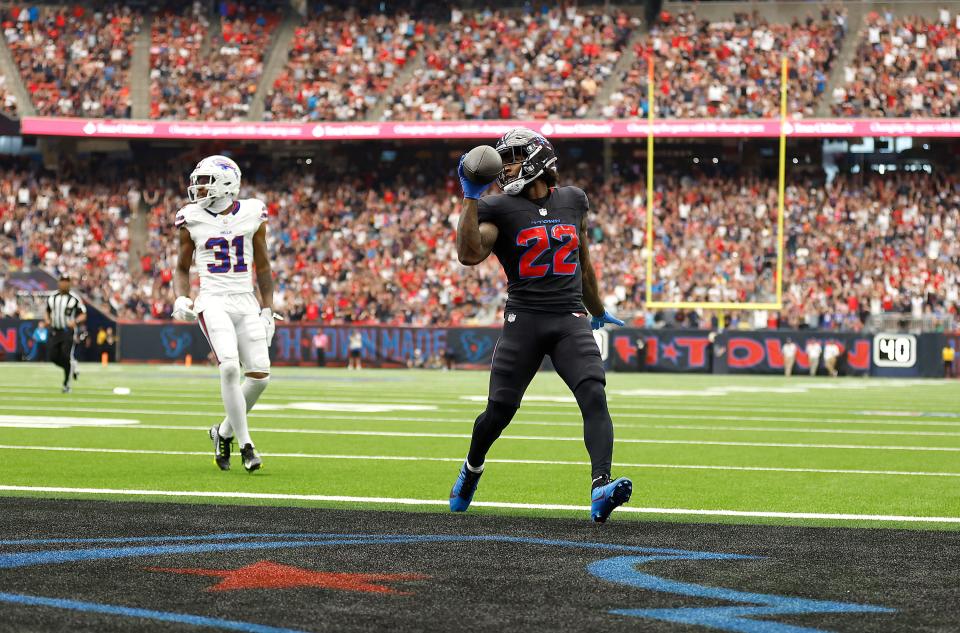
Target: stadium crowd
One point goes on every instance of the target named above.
(340, 64)
(729, 69)
(74, 61)
(903, 67)
(354, 249)
(203, 70)
(499, 65)
(347, 61)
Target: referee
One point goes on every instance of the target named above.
(65, 310)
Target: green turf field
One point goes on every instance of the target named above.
(851, 452)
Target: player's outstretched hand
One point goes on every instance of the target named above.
(183, 309)
(470, 189)
(267, 316)
(598, 322)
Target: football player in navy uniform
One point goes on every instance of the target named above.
(538, 232)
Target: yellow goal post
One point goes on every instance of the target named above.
(716, 305)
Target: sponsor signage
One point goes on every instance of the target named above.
(383, 346)
(373, 130)
(670, 351)
(761, 352)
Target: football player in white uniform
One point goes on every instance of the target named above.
(223, 234)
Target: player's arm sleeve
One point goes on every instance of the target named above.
(181, 274)
(488, 225)
(181, 220)
(476, 232)
(261, 260)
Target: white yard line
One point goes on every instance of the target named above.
(458, 460)
(227, 496)
(617, 403)
(378, 418)
(373, 417)
(547, 438)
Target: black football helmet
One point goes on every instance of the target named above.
(522, 145)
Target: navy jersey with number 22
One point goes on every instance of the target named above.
(539, 248)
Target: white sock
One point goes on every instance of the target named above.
(233, 400)
(475, 469)
(251, 388)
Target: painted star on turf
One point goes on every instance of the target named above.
(269, 575)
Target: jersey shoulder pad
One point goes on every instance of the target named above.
(575, 193)
(186, 215)
(490, 207)
(255, 208)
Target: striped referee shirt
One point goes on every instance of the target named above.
(62, 308)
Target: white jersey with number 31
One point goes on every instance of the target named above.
(224, 244)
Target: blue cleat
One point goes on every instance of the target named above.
(604, 499)
(462, 492)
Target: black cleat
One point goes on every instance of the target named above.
(221, 448)
(251, 461)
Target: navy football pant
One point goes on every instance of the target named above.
(568, 340)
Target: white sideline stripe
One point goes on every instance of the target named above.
(483, 504)
(172, 397)
(536, 462)
(665, 410)
(575, 439)
(217, 411)
(547, 438)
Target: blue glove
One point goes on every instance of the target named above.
(470, 189)
(598, 322)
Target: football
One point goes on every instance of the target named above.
(482, 165)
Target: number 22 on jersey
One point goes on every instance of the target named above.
(538, 241)
(221, 252)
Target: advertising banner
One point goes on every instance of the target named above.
(373, 130)
(674, 351)
(293, 344)
(761, 352)
(385, 346)
(17, 341)
(623, 349)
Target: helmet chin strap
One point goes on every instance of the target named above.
(219, 205)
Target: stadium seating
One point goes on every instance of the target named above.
(729, 69)
(348, 249)
(76, 225)
(201, 73)
(340, 64)
(903, 67)
(347, 64)
(497, 65)
(8, 101)
(74, 61)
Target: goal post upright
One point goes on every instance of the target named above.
(719, 306)
(650, 107)
(781, 178)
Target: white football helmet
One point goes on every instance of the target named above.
(214, 178)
